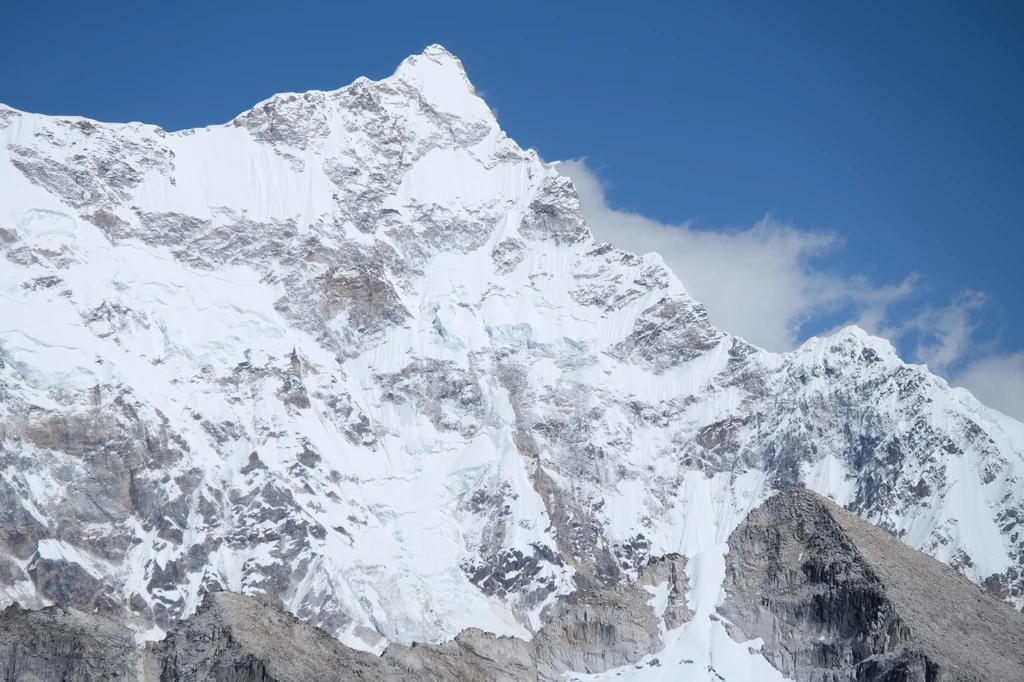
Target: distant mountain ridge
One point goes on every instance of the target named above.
(356, 354)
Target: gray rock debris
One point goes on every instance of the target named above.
(597, 630)
(64, 644)
(835, 599)
(236, 638)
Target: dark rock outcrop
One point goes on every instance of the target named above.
(64, 644)
(835, 599)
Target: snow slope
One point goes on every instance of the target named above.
(357, 353)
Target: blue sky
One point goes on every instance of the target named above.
(883, 141)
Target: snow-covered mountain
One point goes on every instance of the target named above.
(356, 353)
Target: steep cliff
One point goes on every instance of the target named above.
(834, 598)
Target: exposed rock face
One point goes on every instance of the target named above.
(236, 638)
(670, 571)
(64, 644)
(835, 599)
(597, 630)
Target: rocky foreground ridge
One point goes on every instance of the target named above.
(832, 597)
(356, 354)
(835, 598)
(236, 637)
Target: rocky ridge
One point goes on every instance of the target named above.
(828, 596)
(236, 637)
(835, 598)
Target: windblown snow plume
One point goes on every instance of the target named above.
(355, 353)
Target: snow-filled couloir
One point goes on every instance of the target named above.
(356, 353)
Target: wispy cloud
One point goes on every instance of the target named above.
(943, 337)
(759, 283)
(997, 381)
(764, 283)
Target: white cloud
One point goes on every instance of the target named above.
(997, 381)
(762, 283)
(945, 336)
(759, 283)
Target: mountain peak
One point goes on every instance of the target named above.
(442, 81)
(357, 354)
(439, 53)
